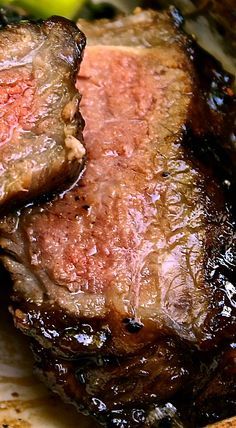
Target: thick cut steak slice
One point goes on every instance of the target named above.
(124, 277)
(40, 125)
(138, 244)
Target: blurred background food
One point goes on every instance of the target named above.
(211, 22)
(45, 8)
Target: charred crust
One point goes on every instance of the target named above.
(86, 207)
(165, 174)
(177, 16)
(132, 325)
(70, 27)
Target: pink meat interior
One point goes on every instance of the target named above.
(16, 97)
(132, 231)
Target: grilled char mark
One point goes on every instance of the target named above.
(40, 124)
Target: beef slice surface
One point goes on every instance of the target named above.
(41, 144)
(140, 248)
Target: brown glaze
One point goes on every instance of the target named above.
(167, 385)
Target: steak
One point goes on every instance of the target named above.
(40, 126)
(125, 282)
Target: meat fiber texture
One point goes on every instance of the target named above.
(41, 144)
(124, 278)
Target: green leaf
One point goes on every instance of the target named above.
(46, 8)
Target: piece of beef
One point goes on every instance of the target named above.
(135, 391)
(134, 265)
(217, 399)
(118, 390)
(40, 125)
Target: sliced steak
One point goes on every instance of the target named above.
(40, 125)
(132, 267)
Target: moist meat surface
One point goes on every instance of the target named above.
(40, 126)
(133, 263)
(164, 385)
